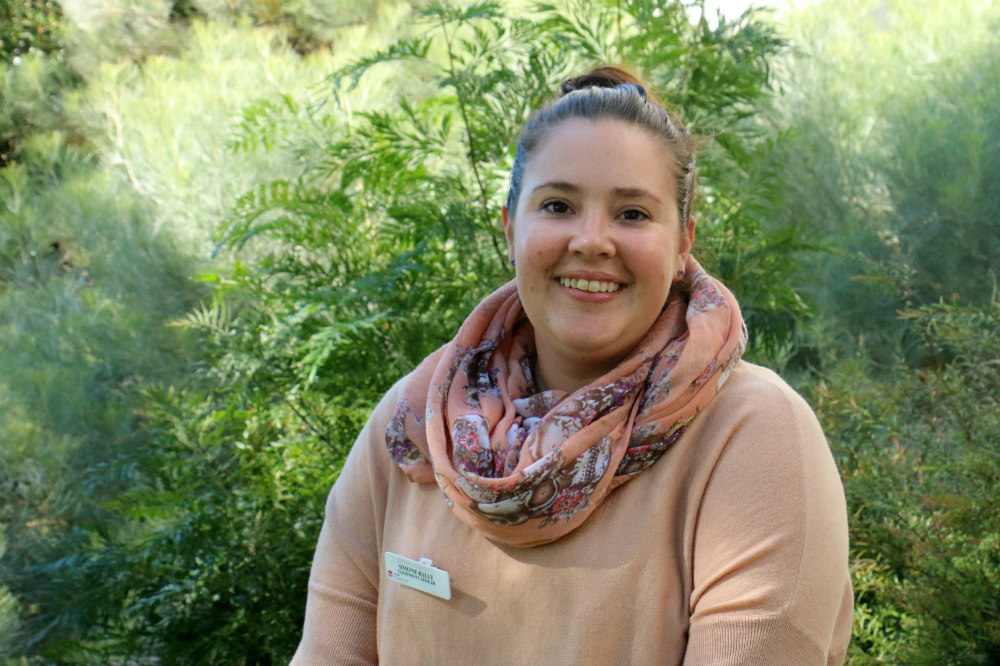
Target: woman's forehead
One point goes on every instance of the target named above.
(611, 155)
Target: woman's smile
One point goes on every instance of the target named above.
(590, 286)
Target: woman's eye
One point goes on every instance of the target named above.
(634, 214)
(556, 207)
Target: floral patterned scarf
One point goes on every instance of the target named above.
(525, 467)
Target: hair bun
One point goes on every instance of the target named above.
(566, 87)
(602, 77)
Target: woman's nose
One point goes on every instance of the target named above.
(592, 236)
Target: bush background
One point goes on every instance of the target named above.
(227, 228)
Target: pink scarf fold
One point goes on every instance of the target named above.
(524, 467)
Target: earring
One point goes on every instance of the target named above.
(680, 274)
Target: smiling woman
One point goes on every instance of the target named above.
(619, 486)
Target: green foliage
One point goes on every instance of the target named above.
(9, 607)
(80, 330)
(921, 478)
(33, 72)
(88, 281)
(32, 99)
(894, 116)
(941, 178)
(308, 25)
(103, 222)
(98, 33)
(224, 507)
(28, 26)
(165, 125)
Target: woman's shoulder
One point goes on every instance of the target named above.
(751, 386)
(758, 410)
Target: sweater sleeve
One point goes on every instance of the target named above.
(340, 622)
(770, 553)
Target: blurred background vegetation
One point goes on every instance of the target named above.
(227, 227)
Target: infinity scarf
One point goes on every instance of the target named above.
(525, 467)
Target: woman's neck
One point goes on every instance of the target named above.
(554, 372)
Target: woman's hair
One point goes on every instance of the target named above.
(614, 94)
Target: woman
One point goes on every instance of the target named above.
(619, 487)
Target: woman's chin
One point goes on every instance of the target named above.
(593, 349)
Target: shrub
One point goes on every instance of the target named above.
(917, 456)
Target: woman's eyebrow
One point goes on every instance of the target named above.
(557, 185)
(635, 193)
(623, 192)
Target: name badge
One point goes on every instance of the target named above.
(418, 575)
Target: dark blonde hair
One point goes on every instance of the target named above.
(614, 94)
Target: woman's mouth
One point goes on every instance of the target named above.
(593, 286)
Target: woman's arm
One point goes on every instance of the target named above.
(771, 581)
(340, 623)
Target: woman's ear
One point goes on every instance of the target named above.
(508, 231)
(687, 238)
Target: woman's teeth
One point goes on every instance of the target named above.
(590, 285)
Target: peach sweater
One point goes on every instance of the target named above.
(731, 549)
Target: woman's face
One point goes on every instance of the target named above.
(597, 242)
